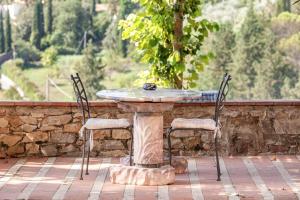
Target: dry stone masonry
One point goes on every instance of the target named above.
(51, 129)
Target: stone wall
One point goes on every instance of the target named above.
(51, 129)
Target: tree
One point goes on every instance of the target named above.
(168, 45)
(91, 71)
(37, 29)
(49, 17)
(250, 49)
(283, 6)
(93, 7)
(223, 46)
(7, 35)
(2, 39)
(41, 23)
(71, 23)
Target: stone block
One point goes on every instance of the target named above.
(121, 134)
(4, 131)
(14, 150)
(15, 121)
(37, 136)
(28, 128)
(113, 145)
(183, 133)
(28, 120)
(113, 153)
(63, 138)
(32, 149)
(49, 150)
(57, 120)
(10, 140)
(3, 123)
(175, 143)
(72, 128)
(191, 142)
(37, 115)
(68, 148)
(48, 128)
(142, 176)
(102, 134)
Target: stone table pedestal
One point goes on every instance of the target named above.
(149, 166)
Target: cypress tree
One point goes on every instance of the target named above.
(250, 49)
(41, 22)
(7, 32)
(93, 7)
(92, 70)
(37, 29)
(49, 18)
(2, 44)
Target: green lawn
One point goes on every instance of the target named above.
(120, 73)
(39, 76)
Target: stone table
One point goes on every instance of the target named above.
(148, 106)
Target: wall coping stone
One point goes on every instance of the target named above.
(107, 103)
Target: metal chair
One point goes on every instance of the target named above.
(203, 124)
(90, 124)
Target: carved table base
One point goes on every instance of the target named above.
(132, 175)
(150, 168)
(180, 164)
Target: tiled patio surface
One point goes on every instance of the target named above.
(262, 177)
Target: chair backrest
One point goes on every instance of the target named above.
(82, 100)
(223, 90)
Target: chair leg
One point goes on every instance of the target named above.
(217, 158)
(131, 148)
(88, 154)
(83, 154)
(169, 131)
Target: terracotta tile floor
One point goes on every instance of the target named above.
(260, 177)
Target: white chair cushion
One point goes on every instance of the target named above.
(98, 123)
(181, 123)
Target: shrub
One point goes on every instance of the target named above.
(26, 51)
(13, 69)
(49, 57)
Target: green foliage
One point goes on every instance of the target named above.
(157, 37)
(2, 39)
(49, 57)
(93, 7)
(26, 51)
(12, 94)
(23, 24)
(70, 23)
(286, 24)
(223, 45)
(90, 69)
(37, 29)
(7, 35)
(13, 69)
(49, 17)
(251, 45)
(283, 6)
(101, 23)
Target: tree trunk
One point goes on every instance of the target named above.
(178, 33)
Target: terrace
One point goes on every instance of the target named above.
(40, 150)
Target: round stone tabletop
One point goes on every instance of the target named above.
(141, 95)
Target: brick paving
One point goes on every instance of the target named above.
(260, 177)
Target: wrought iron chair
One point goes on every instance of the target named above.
(204, 124)
(90, 124)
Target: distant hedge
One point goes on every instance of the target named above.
(13, 70)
